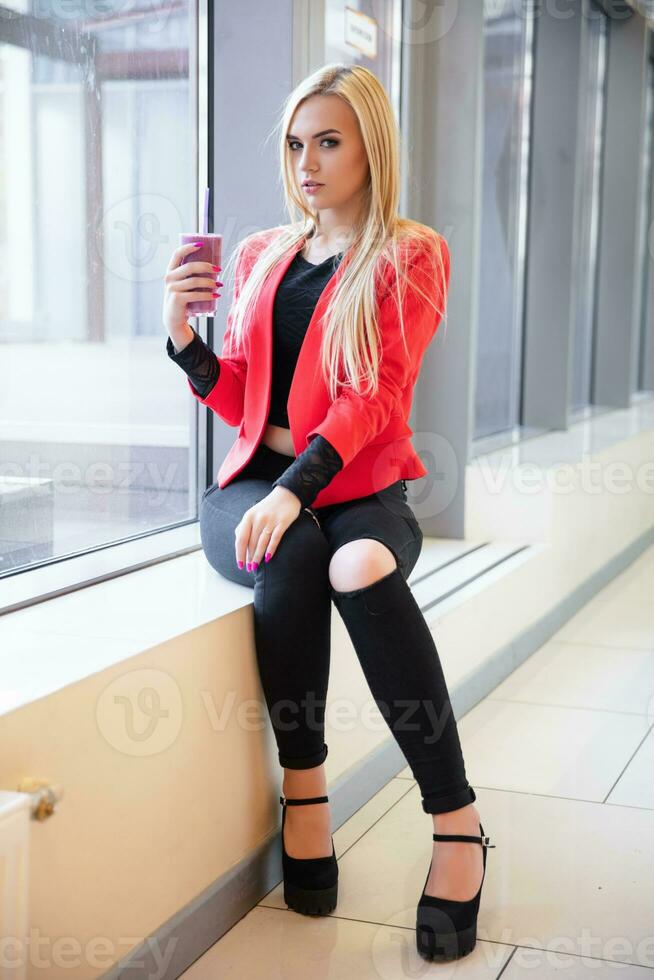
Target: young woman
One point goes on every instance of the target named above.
(331, 317)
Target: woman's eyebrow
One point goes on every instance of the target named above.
(316, 135)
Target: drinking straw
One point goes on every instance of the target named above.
(205, 229)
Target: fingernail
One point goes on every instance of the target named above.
(219, 283)
(248, 565)
(268, 556)
(215, 294)
(255, 565)
(198, 244)
(240, 564)
(216, 267)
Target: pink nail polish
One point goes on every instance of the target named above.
(240, 564)
(198, 244)
(255, 565)
(268, 556)
(248, 567)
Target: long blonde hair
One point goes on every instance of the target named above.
(350, 342)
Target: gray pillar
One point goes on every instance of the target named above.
(620, 257)
(549, 289)
(442, 107)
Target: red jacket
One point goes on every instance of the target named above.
(371, 434)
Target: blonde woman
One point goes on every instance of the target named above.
(331, 316)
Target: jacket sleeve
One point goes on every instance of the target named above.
(226, 396)
(311, 471)
(198, 361)
(353, 420)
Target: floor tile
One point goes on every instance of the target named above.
(616, 622)
(584, 675)
(270, 944)
(635, 787)
(550, 964)
(533, 748)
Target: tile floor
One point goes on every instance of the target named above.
(561, 756)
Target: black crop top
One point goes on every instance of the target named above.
(295, 301)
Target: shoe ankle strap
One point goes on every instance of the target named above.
(284, 800)
(484, 841)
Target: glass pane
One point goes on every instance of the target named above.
(587, 204)
(365, 32)
(508, 33)
(98, 431)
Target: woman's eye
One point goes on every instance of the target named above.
(293, 143)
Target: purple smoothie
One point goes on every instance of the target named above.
(211, 251)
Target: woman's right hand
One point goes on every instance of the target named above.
(181, 280)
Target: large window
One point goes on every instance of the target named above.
(98, 139)
(508, 42)
(587, 203)
(366, 33)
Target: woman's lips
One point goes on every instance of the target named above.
(312, 188)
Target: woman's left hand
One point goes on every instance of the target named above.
(261, 528)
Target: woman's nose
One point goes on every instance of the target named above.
(306, 163)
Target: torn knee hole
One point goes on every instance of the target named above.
(364, 588)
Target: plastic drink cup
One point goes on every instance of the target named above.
(211, 251)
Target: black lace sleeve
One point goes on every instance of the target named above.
(198, 361)
(311, 471)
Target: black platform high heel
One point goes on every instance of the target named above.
(310, 884)
(447, 929)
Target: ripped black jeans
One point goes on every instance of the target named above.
(292, 625)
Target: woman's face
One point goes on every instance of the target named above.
(336, 158)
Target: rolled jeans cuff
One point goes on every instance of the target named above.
(443, 804)
(304, 761)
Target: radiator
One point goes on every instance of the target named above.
(15, 809)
